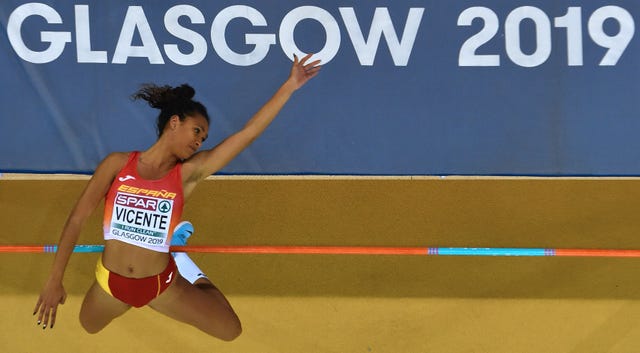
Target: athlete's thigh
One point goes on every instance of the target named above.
(206, 309)
(99, 309)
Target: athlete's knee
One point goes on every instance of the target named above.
(89, 325)
(226, 327)
(90, 322)
(233, 330)
(91, 330)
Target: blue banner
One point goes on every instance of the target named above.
(509, 87)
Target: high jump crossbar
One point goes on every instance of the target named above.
(350, 250)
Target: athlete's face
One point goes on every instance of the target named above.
(192, 132)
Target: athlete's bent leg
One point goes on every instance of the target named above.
(201, 305)
(99, 309)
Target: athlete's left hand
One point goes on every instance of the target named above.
(301, 71)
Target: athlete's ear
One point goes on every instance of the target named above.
(174, 120)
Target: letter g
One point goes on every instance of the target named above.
(58, 40)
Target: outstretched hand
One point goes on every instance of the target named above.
(52, 295)
(301, 71)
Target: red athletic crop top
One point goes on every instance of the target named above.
(143, 212)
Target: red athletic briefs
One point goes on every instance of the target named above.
(137, 292)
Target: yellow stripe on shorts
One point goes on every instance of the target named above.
(102, 276)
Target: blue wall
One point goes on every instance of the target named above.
(449, 87)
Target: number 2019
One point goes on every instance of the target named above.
(571, 21)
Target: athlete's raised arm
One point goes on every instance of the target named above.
(210, 161)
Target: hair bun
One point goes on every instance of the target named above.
(184, 91)
(164, 97)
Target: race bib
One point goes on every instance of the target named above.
(141, 220)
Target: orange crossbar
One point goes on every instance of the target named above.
(351, 250)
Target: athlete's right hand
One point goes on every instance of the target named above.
(52, 294)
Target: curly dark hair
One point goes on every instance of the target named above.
(171, 101)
